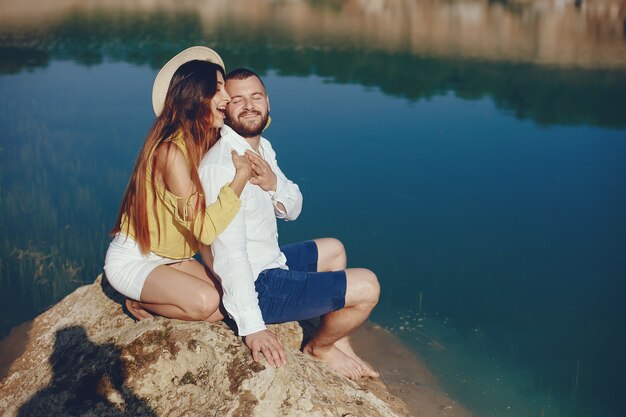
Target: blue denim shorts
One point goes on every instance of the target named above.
(300, 292)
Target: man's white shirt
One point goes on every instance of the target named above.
(249, 244)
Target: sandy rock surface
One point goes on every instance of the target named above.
(85, 357)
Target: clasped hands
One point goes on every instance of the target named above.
(265, 343)
(256, 168)
(262, 174)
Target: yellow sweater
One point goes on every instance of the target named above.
(177, 239)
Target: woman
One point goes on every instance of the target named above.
(163, 216)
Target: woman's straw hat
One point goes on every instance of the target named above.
(163, 78)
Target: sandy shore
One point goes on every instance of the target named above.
(402, 372)
(12, 346)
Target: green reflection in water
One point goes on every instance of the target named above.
(50, 243)
(546, 95)
(63, 169)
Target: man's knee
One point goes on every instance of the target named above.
(203, 304)
(372, 287)
(337, 246)
(362, 287)
(331, 254)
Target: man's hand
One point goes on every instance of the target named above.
(262, 174)
(266, 343)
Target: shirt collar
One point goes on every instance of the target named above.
(236, 141)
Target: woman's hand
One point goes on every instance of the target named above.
(242, 164)
(244, 170)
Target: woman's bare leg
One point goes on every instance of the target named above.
(182, 291)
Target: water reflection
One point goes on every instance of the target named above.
(564, 32)
(66, 146)
(544, 95)
(587, 87)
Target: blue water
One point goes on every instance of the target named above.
(513, 234)
(499, 239)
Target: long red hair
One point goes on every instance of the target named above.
(186, 110)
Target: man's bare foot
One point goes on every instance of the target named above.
(337, 360)
(136, 309)
(344, 345)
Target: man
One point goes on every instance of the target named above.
(262, 282)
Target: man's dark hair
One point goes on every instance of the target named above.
(242, 74)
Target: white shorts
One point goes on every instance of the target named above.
(127, 268)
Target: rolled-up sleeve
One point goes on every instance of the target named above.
(231, 263)
(287, 193)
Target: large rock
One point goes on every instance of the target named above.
(85, 357)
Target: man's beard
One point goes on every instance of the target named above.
(248, 130)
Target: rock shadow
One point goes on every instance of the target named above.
(309, 327)
(87, 379)
(112, 294)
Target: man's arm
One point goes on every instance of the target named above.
(287, 199)
(231, 261)
(286, 195)
(232, 265)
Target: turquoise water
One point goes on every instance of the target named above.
(489, 196)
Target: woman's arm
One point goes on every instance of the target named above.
(243, 171)
(173, 173)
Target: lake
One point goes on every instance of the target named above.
(472, 153)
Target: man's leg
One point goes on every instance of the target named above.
(362, 290)
(332, 257)
(304, 292)
(291, 295)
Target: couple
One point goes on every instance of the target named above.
(206, 181)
